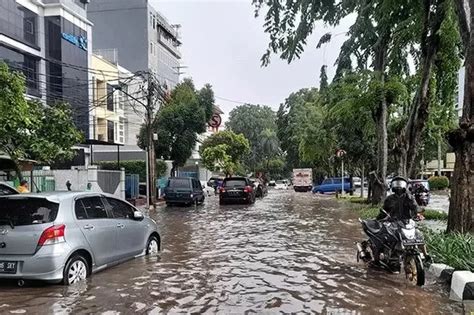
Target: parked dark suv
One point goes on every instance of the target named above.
(236, 190)
(184, 190)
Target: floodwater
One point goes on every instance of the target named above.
(288, 253)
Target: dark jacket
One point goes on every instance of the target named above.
(401, 207)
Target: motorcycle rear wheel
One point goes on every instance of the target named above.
(414, 270)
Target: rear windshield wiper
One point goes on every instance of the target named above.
(10, 222)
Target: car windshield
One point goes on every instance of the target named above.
(179, 183)
(234, 183)
(27, 211)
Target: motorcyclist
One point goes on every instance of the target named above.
(400, 206)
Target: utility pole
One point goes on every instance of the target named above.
(150, 139)
(153, 96)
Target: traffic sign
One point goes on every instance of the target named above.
(215, 121)
(340, 153)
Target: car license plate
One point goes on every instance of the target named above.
(8, 266)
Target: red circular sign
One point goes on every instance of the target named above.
(215, 121)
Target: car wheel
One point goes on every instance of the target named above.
(152, 246)
(221, 202)
(76, 270)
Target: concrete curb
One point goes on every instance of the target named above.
(462, 282)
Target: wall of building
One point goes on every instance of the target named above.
(105, 80)
(130, 38)
(36, 37)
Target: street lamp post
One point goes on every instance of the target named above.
(197, 170)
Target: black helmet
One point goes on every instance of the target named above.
(399, 185)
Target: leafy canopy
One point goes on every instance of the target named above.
(224, 151)
(182, 117)
(29, 129)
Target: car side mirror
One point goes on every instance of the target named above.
(138, 215)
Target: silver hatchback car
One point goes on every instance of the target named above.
(66, 236)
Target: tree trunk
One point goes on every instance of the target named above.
(411, 135)
(378, 182)
(461, 205)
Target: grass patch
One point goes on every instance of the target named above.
(353, 199)
(431, 214)
(368, 212)
(453, 249)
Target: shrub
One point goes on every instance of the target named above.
(134, 167)
(430, 214)
(453, 249)
(438, 182)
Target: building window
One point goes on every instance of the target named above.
(24, 63)
(154, 23)
(110, 97)
(110, 131)
(151, 48)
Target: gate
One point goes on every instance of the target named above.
(42, 181)
(108, 181)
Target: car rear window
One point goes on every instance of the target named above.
(27, 211)
(5, 190)
(178, 183)
(231, 183)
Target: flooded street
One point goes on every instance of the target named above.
(290, 252)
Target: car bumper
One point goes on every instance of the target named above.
(179, 200)
(47, 264)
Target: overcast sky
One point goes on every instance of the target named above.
(223, 43)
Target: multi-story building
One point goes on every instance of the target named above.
(107, 114)
(49, 41)
(146, 41)
(118, 111)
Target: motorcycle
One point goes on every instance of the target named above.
(422, 198)
(398, 246)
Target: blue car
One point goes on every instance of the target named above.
(332, 185)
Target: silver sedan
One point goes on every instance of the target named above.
(66, 236)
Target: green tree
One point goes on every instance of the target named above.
(323, 78)
(182, 117)
(29, 129)
(251, 121)
(292, 120)
(224, 151)
(385, 32)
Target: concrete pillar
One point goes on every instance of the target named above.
(122, 183)
(92, 178)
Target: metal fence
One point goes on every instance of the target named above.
(42, 180)
(132, 185)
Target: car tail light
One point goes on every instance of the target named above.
(222, 190)
(52, 235)
(248, 189)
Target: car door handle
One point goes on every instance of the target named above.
(88, 227)
(120, 225)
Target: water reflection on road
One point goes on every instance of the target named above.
(287, 253)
